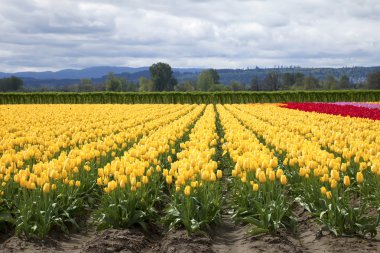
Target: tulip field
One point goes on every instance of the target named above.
(181, 166)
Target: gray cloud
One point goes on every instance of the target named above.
(44, 34)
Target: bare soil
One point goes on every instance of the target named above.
(226, 237)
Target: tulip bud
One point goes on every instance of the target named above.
(187, 190)
(359, 177)
(262, 177)
(346, 181)
(169, 179)
(46, 188)
(323, 190)
(283, 180)
(272, 176)
(279, 173)
(219, 174)
(122, 184)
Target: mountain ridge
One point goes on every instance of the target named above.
(98, 74)
(89, 72)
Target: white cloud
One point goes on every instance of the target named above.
(45, 34)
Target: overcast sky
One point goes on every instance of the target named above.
(57, 34)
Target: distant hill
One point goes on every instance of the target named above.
(98, 74)
(92, 72)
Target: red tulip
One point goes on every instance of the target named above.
(330, 108)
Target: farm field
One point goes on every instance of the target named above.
(285, 177)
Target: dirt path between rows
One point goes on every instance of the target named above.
(312, 240)
(229, 237)
(226, 237)
(234, 238)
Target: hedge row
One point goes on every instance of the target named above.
(187, 97)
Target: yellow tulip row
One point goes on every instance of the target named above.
(129, 151)
(248, 153)
(304, 153)
(195, 164)
(67, 165)
(55, 126)
(356, 138)
(135, 167)
(45, 141)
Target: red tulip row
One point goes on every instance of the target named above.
(343, 110)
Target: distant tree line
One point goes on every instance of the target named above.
(162, 79)
(208, 80)
(11, 84)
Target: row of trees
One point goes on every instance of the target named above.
(209, 80)
(299, 81)
(373, 80)
(11, 84)
(162, 79)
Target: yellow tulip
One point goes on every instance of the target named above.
(31, 186)
(359, 177)
(279, 173)
(193, 184)
(302, 171)
(262, 177)
(169, 179)
(335, 175)
(323, 190)
(122, 184)
(219, 174)
(46, 188)
(333, 184)
(187, 190)
(283, 180)
(272, 176)
(346, 181)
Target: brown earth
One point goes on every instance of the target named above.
(226, 237)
